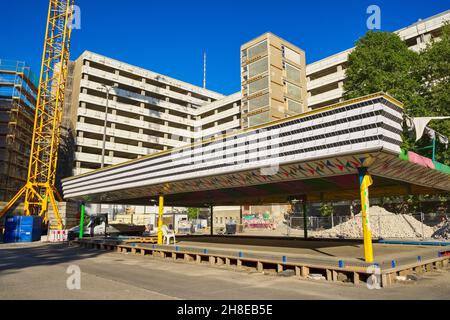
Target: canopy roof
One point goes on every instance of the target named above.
(316, 154)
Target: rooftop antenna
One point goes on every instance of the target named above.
(204, 70)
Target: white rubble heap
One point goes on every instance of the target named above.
(384, 224)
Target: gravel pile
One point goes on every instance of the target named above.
(442, 231)
(384, 224)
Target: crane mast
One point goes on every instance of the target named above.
(39, 190)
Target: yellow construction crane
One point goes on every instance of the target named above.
(40, 190)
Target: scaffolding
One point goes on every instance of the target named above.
(18, 90)
(39, 190)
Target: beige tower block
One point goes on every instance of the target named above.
(273, 77)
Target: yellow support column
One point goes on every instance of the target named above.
(365, 181)
(160, 219)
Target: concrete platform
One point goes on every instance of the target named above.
(328, 250)
(333, 259)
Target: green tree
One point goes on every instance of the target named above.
(193, 213)
(381, 61)
(327, 210)
(433, 70)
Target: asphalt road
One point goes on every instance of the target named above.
(38, 271)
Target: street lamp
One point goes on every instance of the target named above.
(107, 89)
(102, 164)
(294, 201)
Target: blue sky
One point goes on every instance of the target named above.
(169, 37)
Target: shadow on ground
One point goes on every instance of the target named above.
(21, 256)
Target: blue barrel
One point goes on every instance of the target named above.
(22, 229)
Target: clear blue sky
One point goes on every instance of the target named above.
(169, 37)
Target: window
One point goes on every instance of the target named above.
(257, 49)
(258, 119)
(258, 85)
(258, 67)
(258, 102)
(294, 92)
(294, 106)
(292, 73)
(291, 55)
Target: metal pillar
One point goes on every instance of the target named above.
(434, 149)
(305, 220)
(83, 208)
(160, 219)
(212, 219)
(240, 214)
(365, 181)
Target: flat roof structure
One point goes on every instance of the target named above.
(316, 154)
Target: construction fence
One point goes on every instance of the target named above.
(383, 226)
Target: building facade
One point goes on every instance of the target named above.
(18, 92)
(145, 112)
(273, 80)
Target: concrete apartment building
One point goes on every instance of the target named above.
(326, 77)
(147, 112)
(273, 80)
(18, 90)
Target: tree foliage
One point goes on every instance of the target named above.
(326, 209)
(381, 61)
(433, 71)
(193, 213)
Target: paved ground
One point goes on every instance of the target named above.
(38, 271)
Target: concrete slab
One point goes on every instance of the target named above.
(351, 251)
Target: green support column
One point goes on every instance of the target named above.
(83, 208)
(434, 149)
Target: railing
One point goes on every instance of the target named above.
(19, 66)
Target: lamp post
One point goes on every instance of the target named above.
(289, 223)
(107, 89)
(102, 164)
